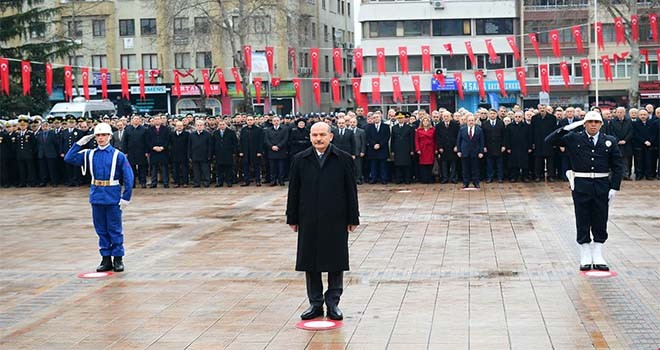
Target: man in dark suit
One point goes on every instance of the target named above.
(277, 145)
(225, 148)
(403, 147)
(179, 154)
(378, 138)
(644, 144)
(200, 151)
(322, 207)
(621, 128)
(48, 145)
(68, 138)
(344, 138)
(543, 124)
(494, 140)
(158, 140)
(360, 138)
(595, 179)
(117, 140)
(137, 149)
(446, 134)
(251, 150)
(470, 145)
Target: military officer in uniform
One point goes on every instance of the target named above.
(26, 146)
(595, 178)
(68, 137)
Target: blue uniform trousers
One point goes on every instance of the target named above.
(591, 211)
(107, 223)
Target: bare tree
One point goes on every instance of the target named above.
(234, 24)
(625, 9)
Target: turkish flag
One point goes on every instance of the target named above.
(355, 82)
(545, 77)
(123, 78)
(275, 82)
(521, 75)
(270, 52)
(396, 89)
(449, 49)
(247, 54)
(296, 87)
(403, 59)
(554, 37)
(221, 81)
(68, 82)
(140, 74)
(440, 78)
(417, 86)
(577, 34)
(257, 88)
(4, 75)
(357, 55)
(104, 82)
(426, 58)
(336, 95)
(237, 80)
(207, 82)
(375, 90)
(292, 57)
(535, 43)
(586, 71)
(599, 34)
(645, 53)
(607, 68)
(653, 22)
(468, 47)
(634, 28)
(380, 60)
(84, 75)
(621, 57)
(479, 76)
(620, 31)
(338, 61)
(491, 51)
(177, 84)
(314, 54)
(458, 78)
(153, 74)
(499, 74)
(316, 86)
(26, 69)
(49, 78)
(563, 66)
(514, 47)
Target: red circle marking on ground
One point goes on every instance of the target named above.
(94, 274)
(318, 324)
(595, 273)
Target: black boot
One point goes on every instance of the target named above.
(106, 265)
(118, 264)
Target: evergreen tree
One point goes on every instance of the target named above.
(27, 32)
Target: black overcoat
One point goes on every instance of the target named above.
(518, 140)
(135, 144)
(322, 202)
(225, 147)
(402, 143)
(445, 139)
(542, 126)
(251, 141)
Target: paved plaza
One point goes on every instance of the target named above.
(432, 267)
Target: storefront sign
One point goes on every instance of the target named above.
(159, 89)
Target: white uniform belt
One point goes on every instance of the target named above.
(591, 175)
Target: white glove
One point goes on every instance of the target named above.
(123, 204)
(85, 140)
(611, 195)
(574, 125)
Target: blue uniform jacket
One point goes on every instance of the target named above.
(102, 163)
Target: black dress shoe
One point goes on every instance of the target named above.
(551, 179)
(118, 264)
(258, 184)
(272, 184)
(196, 186)
(334, 313)
(144, 185)
(218, 185)
(312, 312)
(153, 186)
(601, 267)
(228, 185)
(282, 184)
(166, 186)
(489, 181)
(444, 181)
(476, 186)
(585, 267)
(454, 181)
(106, 264)
(245, 184)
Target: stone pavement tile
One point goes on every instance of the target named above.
(407, 346)
(449, 346)
(168, 345)
(323, 346)
(246, 346)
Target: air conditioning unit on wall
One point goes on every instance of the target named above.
(438, 4)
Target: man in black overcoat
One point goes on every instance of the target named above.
(403, 147)
(494, 142)
(200, 151)
(543, 124)
(251, 150)
(518, 143)
(179, 155)
(322, 206)
(136, 149)
(68, 137)
(48, 146)
(225, 148)
(158, 140)
(446, 133)
(277, 143)
(621, 128)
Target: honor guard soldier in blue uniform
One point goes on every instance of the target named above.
(108, 168)
(595, 177)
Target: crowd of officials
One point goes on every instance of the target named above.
(440, 146)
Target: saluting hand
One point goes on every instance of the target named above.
(294, 228)
(352, 228)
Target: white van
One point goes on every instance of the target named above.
(94, 109)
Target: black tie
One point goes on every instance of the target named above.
(591, 139)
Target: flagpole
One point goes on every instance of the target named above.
(596, 51)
